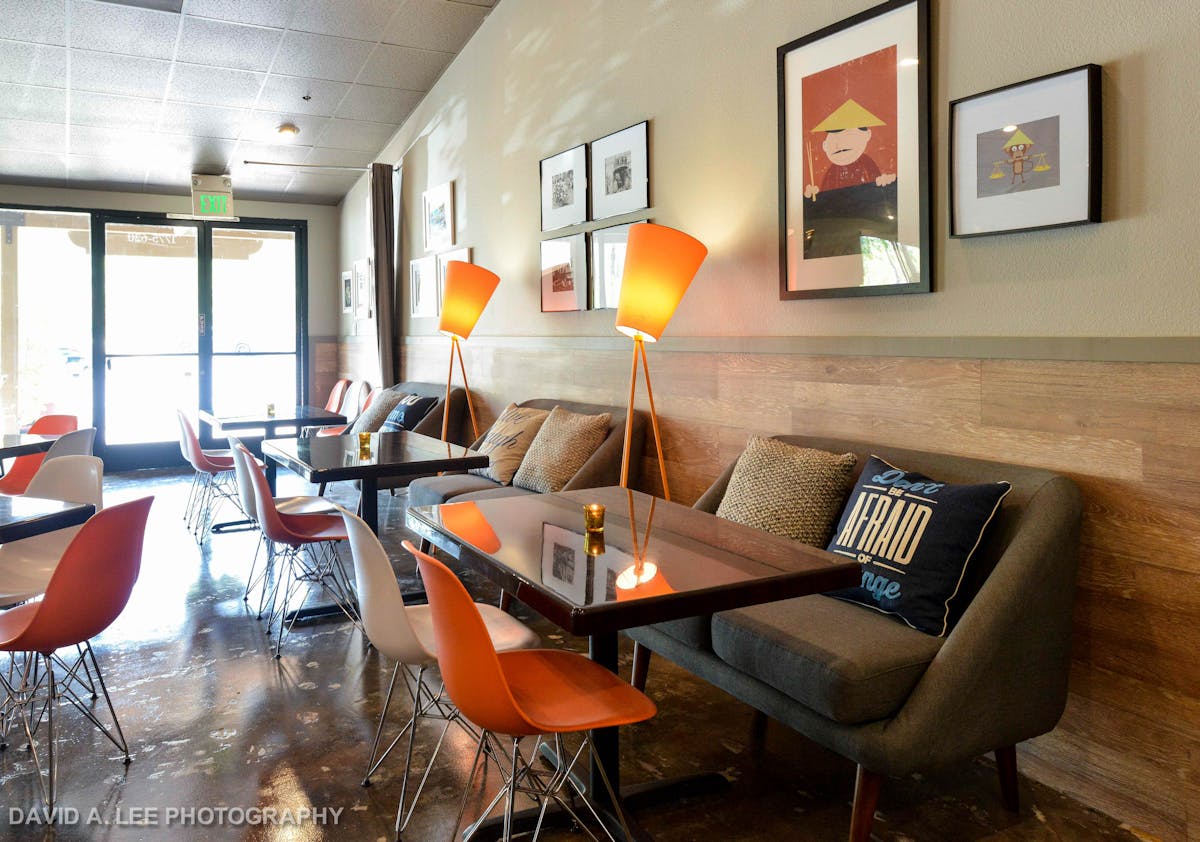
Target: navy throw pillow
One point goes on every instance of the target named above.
(408, 413)
(914, 537)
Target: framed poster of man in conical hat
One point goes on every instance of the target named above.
(854, 187)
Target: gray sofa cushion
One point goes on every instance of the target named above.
(694, 631)
(430, 491)
(845, 662)
(492, 493)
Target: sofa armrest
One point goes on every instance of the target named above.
(710, 500)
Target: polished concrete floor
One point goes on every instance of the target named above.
(215, 722)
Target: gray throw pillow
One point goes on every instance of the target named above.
(563, 444)
(507, 440)
(795, 492)
(372, 418)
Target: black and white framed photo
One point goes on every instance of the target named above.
(608, 265)
(1027, 156)
(463, 254)
(564, 274)
(437, 205)
(620, 173)
(423, 287)
(364, 300)
(854, 175)
(347, 292)
(565, 566)
(564, 189)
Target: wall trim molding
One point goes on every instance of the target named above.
(1126, 349)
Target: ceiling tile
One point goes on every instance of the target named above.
(168, 187)
(40, 21)
(260, 12)
(270, 178)
(214, 85)
(326, 157)
(34, 137)
(25, 102)
(263, 127)
(383, 105)
(203, 120)
(356, 134)
(362, 19)
(86, 168)
(220, 44)
(209, 153)
(321, 56)
(274, 152)
(33, 64)
(89, 109)
(109, 28)
(435, 25)
(285, 93)
(147, 148)
(112, 74)
(404, 67)
(16, 166)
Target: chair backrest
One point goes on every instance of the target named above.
(189, 445)
(264, 502)
(380, 602)
(466, 656)
(49, 425)
(92, 582)
(74, 478)
(23, 468)
(356, 399)
(245, 484)
(336, 394)
(75, 443)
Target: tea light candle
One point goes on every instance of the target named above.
(593, 543)
(593, 517)
(364, 445)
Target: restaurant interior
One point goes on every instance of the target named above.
(628, 420)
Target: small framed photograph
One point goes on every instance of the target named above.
(347, 292)
(564, 189)
(564, 274)
(620, 173)
(608, 264)
(565, 566)
(1027, 156)
(463, 254)
(364, 301)
(423, 301)
(438, 216)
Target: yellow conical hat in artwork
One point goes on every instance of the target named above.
(1019, 137)
(849, 115)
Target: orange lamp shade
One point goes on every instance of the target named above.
(467, 522)
(660, 263)
(468, 290)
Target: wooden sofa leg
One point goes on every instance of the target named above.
(505, 601)
(1006, 765)
(758, 727)
(641, 666)
(321, 490)
(866, 797)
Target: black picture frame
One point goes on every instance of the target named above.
(1066, 105)
(872, 235)
(619, 164)
(564, 188)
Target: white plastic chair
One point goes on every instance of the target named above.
(405, 634)
(76, 443)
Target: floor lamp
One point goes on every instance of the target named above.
(660, 263)
(468, 288)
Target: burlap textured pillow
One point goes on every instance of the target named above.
(563, 444)
(791, 491)
(507, 441)
(373, 416)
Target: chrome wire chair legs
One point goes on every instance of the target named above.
(297, 569)
(207, 492)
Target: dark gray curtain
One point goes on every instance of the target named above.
(383, 245)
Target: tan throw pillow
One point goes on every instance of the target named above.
(507, 441)
(563, 444)
(795, 492)
(372, 418)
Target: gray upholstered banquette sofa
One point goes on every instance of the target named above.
(892, 699)
(603, 468)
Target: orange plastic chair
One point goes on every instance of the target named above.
(88, 591)
(558, 692)
(340, 429)
(336, 394)
(16, 479)
(212, 482)
(294, 534)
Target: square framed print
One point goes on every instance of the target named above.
(463, 254)
(608, 265)
(347, 292)
(437, 205)
(423, 301)
(620, 173)
(854, 175)
(564, 189)
(564, 274)
(1027, 156)
(364, 301)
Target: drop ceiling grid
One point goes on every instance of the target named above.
(173, 95)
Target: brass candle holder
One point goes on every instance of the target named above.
(364, 445)
(593, 517)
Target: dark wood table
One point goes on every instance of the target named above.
(24, 444)
(288, 416)
(660, 561)
(24, 517)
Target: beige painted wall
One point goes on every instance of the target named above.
(323, 233)
(541, 76)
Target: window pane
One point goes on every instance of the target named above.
(254, 291)
(243, 385)
(141, 395)
(150, 283)
(45, 316)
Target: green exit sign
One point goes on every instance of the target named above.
(213, 204)
(212, 195)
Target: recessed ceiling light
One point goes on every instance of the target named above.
(288, 131)
(1009, 129)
